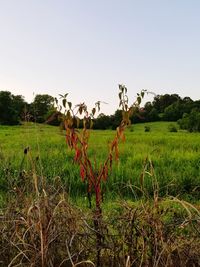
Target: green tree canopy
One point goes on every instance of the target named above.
(41, 107)
(11, 108)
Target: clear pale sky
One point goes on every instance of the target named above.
(88, 47)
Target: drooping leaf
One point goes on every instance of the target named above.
(56, 100)
(139, 100)
(65, 95)
(64, 102)
(93, 111)
(80, 110)
(69, 104)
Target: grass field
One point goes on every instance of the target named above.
(138, 225)
(175, 156)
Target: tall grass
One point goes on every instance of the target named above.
(40, 227)
(174, 155)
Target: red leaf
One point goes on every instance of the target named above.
(77, 155)
(82, 172)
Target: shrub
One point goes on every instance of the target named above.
(147, 128)
(172, 128)
(191, 122)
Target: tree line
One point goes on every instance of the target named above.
(169, 107)
(14, 109)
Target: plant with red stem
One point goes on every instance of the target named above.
(78, 140)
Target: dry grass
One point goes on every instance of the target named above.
(44, 229)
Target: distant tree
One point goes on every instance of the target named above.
(173, 112)
(191, 121)
(116, 119)
(148, 106)
(53, 117)
(11, 108)
(42, 107)
(19, 105)
(184, 122)
(187, 99)
(153, 115)
(138, 116)
(102, 122)
(7, 114)
(196, 104)
(160, 102)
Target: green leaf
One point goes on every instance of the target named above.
(64, 102)
(139, 100)
(80, 110)
(56, 100)
(93, 111)
(65, 95)
(69, 104)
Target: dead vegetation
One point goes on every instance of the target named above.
(42, 228)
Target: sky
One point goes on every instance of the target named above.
(87, 47)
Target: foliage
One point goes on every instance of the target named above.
(42, 107)
(173, 112)
(191, 121)
(102, 122)
(11, 108)
(153, 115)
(163, 108)
(160, 102)
(116, 119)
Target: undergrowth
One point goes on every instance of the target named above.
(41, 227)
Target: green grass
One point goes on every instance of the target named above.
(176, 159)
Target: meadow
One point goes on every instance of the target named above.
(175, 157)
(150, 212)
